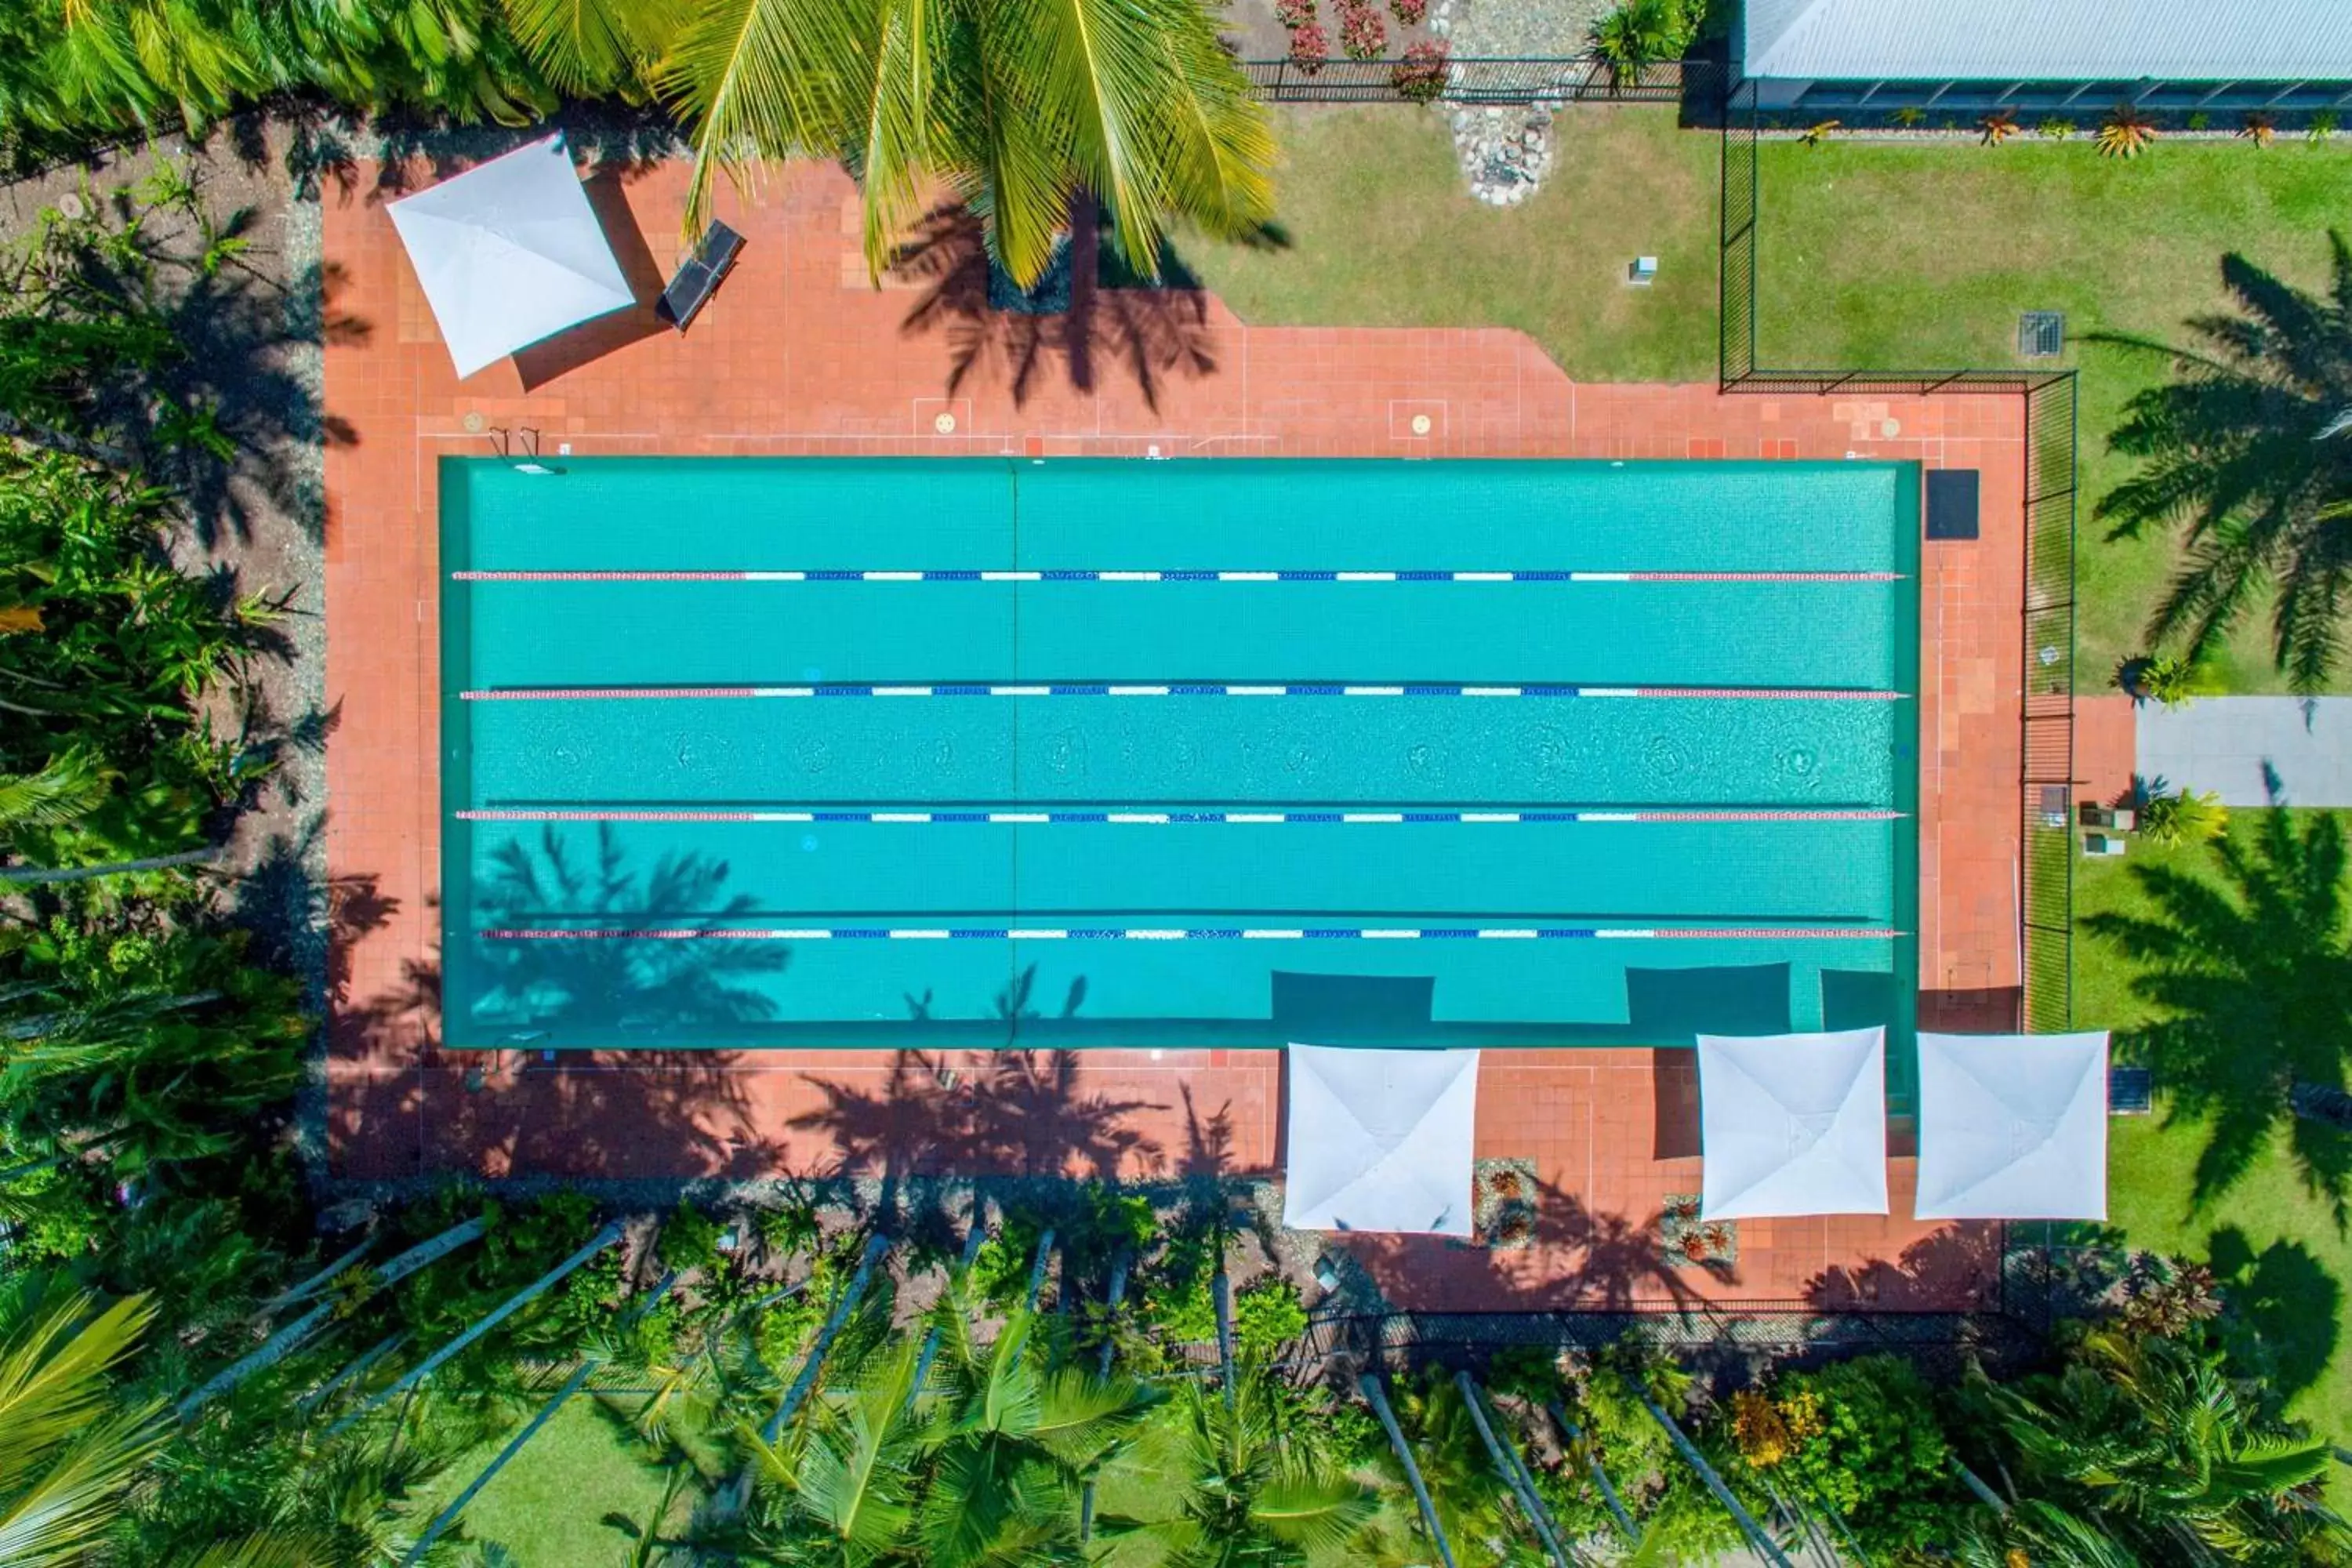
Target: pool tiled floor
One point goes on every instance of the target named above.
(799, 355)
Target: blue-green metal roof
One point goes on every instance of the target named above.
(2048, 40)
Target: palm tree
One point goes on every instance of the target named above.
(2247, 450)
(1019, 107)
(69, 1449)
(1012, 1439)
(839, 1488)
(1242, 1494)
(2144, 1441)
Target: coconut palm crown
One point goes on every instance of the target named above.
(2249, 450)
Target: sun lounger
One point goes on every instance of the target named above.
(698, 274)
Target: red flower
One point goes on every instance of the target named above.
(1309, 46)
(1421, 75)
(1362, 33)
(1409, 12)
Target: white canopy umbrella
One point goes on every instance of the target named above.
(2012, 1127)
(1792, 1124)
(1381, 1140)
(509, 252)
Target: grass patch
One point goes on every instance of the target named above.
(2289, 1269)
(546, 1508)
(1382, 232)
(1921, 256)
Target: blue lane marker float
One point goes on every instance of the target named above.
(1185, 934)
(1195, 688)
(1111, 575)
(888, 816)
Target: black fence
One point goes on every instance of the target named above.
(1585, 78)
(2046, 894)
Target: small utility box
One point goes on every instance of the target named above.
(1642, 271)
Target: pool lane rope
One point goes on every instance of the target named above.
(891, 818)
(1183, 934)
(1110, 575)
(1184, 688)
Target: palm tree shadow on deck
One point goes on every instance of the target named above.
(1151, 332)
(999, 1113)
(515, 1109)
(2250, 978)
(1575, 1259)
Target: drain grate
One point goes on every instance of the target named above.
(2042, 334)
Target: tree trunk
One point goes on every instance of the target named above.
(31, 873)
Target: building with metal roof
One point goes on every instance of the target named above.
(2043, 56)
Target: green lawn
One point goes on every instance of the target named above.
(1874, 255)
(2288, 1264)
(546, 1508)
(1922, 255)
(1382, 231)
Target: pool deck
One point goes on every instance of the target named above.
(798, 354)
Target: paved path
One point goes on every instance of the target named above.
(2222, 743)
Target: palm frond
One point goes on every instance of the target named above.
(588, 47)
(762, 79)
(67, 788)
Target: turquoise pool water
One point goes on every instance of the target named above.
(817, 751)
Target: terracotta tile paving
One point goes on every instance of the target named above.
(798, 354)
(2106, 746)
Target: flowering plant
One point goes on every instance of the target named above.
(1310, 47)
(1420, 76)
(1362, 33)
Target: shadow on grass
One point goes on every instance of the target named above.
(2253, 981)
(2284, 1309)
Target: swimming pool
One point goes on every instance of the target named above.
(926, 752)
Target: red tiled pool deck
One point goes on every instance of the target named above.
(799, 354)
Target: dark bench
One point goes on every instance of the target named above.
(2131, 1092)
(698, 274)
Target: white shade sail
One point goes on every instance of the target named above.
(1792, 1124)
(1381, 1140)
(2013, 1126)
(509, 252)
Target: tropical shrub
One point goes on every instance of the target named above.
(1999, 126)
(1267, 1316)
(107, 651)
(1309, 47)
(2322, 126)
(2170, 678)
(1411, 13)
(1860, 1437)
(1420, 76)
(1362, 34)
(2259, 128)
(2125, 133)
(2057, 127)
(2173, 817)
(1641, 33)
(1294, 13)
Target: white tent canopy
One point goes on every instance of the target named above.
(2012, 1127)
(1792, 1124)
(1381, 1140)
(509, 252)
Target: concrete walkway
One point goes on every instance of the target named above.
(2223, 743)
